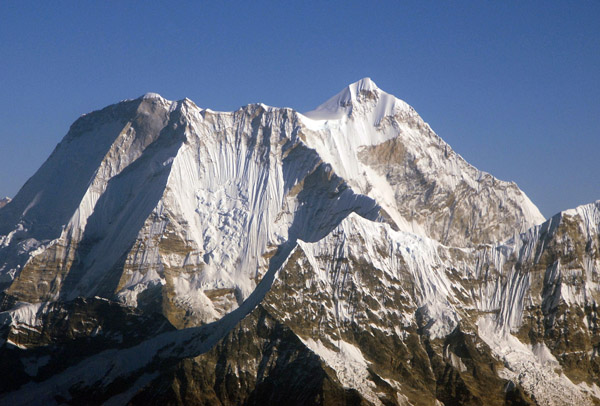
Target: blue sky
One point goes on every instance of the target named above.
(514, 87)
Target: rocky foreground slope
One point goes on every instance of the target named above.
(170, 254)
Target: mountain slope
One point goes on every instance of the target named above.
(381, 146)
(349, 246)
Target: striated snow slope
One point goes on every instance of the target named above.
(412, 276)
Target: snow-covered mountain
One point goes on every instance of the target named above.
(265, 256)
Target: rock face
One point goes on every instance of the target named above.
(381, 146)
(178, 255)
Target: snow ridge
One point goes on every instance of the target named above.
(384, 150)
(348, 101)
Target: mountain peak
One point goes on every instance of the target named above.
(365, 84)
(364, 92)
(151, 95)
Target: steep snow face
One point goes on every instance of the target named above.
(98, 146)
(350, 101)
(191, 217)
(381, 146)
(240, 186)
(551, 264)
(50, 212)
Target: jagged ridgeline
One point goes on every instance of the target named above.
(170, 254)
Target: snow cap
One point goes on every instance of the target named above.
(342, 104)
(151, 95)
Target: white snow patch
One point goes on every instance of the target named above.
(534, 368)
(349, 364)
(151, 95)
(23, 314)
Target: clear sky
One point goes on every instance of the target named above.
(514, 86)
